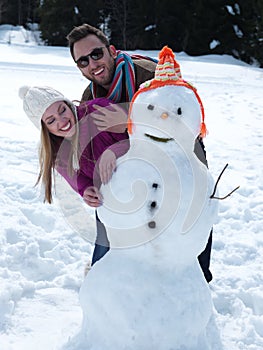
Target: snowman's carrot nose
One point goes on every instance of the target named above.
(164, 115)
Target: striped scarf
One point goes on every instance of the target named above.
(124, 68)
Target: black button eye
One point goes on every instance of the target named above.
(150, 107)
(179, 111)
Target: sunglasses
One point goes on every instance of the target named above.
(95, 55)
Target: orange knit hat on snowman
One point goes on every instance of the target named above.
(168, 72)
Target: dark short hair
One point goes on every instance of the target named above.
(81, 32)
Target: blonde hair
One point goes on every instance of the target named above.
(48, 158)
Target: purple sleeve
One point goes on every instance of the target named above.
(79, 181)
(83, 182)
(121, 145)
(88, 174)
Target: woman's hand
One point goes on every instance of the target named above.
(107, 165)
(92, 197)
(112, 118)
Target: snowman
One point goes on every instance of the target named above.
(148, 292)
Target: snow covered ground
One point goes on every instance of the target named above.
(42, 256)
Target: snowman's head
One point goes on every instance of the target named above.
(165, 113)
(167, 107)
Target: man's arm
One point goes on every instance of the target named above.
(144, 70)
(87, 95)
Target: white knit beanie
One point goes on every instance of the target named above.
(37, 99)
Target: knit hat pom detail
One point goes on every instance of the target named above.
(167, 68)
(23, 91)
(165, 51)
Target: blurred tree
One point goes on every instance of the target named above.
(248, 27)
(131, 23)
(17, 12)
(144, 32)
(2, 11)
(237, 29)
(57, 20)
(173, 22)
(200, 27)
(196, 27)
(120, 14)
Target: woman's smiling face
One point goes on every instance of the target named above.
(60, 120)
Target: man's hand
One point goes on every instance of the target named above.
(112, 118)
(92, 197)
(107, 165)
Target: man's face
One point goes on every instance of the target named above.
(100, 71)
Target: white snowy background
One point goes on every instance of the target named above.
(42, 256)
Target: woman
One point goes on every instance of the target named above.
(74, 146)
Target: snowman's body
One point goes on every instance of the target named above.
(150, 292)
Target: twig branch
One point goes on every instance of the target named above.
(217, 181)
(228, 195)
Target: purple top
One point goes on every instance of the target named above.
(92, 144)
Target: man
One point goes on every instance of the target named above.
(98, 61)
(117, 76)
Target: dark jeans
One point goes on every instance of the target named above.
(204, 259)
(102, 244)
